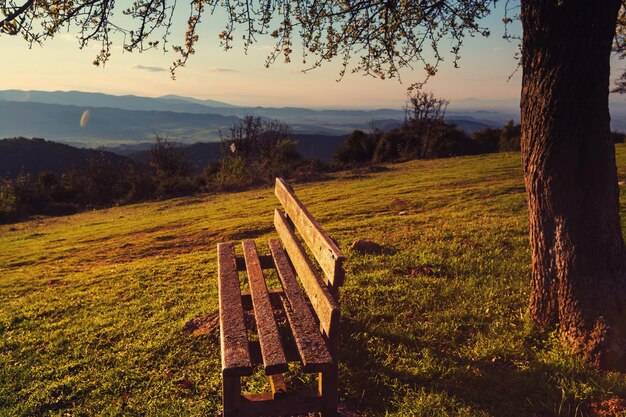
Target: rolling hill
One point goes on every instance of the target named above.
(99, 311)
(32, 156)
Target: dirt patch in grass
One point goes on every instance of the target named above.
(204, 324)
(141, 246)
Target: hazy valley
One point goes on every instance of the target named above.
(114, 121)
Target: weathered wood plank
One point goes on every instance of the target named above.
(274, 360)
(324, 304)
(312, 348)
(290, 403)
(233, 336)
(324, 249)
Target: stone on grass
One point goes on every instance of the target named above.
(366, 246)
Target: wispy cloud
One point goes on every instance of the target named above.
(150, 69)
(222, 70)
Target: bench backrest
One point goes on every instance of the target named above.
(323, 293)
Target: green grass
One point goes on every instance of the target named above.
(93, 306)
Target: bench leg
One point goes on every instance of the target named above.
(231, 396)
(327, 385)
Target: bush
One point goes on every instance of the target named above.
(486, 140)
(388, 146)
(510, 137)
(281, 162)
(8, 206)
(310, 170)
(256, 152)
(176, 186)
(21, 197)
(358, 148)
(167, 160)
(233, 173)
(448, 140)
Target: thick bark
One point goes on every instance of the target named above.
(578, 256)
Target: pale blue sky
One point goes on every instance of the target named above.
(243, 79)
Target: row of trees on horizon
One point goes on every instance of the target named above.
(253, 153)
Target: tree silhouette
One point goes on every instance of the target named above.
(423, 113)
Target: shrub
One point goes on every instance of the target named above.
(388, 146)
(167, 160)
(281, 162)
(233, 173)
(8, 206)
(256, 152)
(448, 140)
(486, 140)
(176, 186)
(510, 137)
(358, 148)
(310, 170)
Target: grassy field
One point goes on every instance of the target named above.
(93, 307)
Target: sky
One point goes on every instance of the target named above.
(488, 72)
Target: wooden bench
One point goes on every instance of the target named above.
(311, 309)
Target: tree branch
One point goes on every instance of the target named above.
(17, 13)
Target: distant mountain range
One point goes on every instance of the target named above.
(116, 120)
(128, 102)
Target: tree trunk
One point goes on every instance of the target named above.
(578, 257)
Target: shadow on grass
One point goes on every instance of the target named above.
(372, 384)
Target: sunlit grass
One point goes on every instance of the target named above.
(93, 306)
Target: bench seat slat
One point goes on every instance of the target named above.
(325, 305)
(311, 346)
(324, 249)
(274, 360)
(233, 336)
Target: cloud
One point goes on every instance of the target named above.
(150, 69)
(222, 70)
